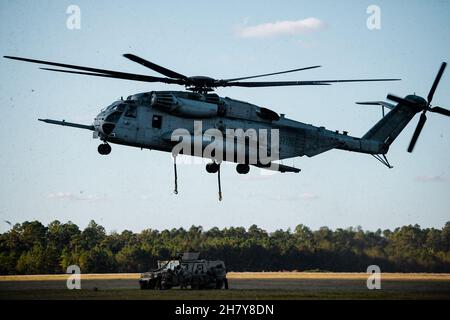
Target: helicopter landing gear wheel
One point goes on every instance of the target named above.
(242, 168)
(104, 149)
(212, 167)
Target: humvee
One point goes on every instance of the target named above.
(186, 271)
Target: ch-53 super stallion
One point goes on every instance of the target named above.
(149, 120)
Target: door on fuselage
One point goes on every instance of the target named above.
(154, 128)
(130, 123)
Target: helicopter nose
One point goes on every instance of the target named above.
(108, 127)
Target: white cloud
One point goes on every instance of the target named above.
(307, 44)
(75, 196)
(295, 197)
(281, 28)
(433, 178)
(308, 196)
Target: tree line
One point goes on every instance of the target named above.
(32, 248)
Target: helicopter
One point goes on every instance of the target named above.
(214, 126)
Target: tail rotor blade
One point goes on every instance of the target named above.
(436, 81)
(422, 120)
(440, 110)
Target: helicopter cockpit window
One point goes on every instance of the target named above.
(131, 111)
(114, 117)
(120, 107)
(115, 112)
(108, 107)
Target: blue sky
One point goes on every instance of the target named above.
(49, 172)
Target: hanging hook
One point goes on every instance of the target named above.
(218, 181)
(175, 171)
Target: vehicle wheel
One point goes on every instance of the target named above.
(195, 285)
(165, 285)
(143, 285)
(158, 284)
(219, 284)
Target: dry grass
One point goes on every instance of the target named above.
(136, 294)
(249, 275)
(338, 276)
(59, 277)
(245, 285)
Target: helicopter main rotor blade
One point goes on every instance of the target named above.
(155, 67)
(270, 74)
(272, 84)
(296, 83)
(195, 83)
(111, 73)
(440, 110)
(131, 76)
(436, 81)
(422, 120)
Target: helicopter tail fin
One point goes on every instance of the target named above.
(389, 127)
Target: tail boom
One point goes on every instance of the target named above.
(390, 126)
(378, 139)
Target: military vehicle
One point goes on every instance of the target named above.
(186, 271)
(211, 123)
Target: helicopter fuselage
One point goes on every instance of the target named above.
(148, 120)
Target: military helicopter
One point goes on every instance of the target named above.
(148, 120)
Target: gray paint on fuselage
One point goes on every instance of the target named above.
(295, 138)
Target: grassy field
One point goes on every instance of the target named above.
(277, 285)
(339, 275)
(234, 294)
(245, 275)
